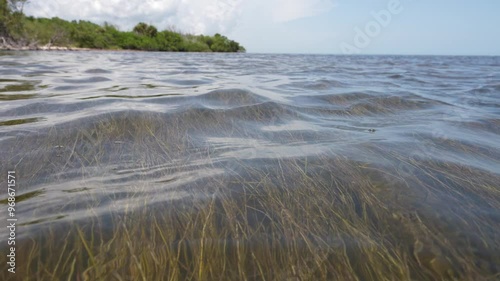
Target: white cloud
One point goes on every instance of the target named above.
(288, 10)
(201, 16)
(194, 16)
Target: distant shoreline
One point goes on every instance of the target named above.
(9, 45)
(42, 34)
(48, 48)
(62, 48)
(77, 49)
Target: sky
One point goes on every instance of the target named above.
(419, 27)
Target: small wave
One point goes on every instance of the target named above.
(97, 71)
(359, 103)
(396, 76)
(187, 82)
(20, 86)
(13, 97)
(14, 122)
(346, 98)
(268, 111)
(94, 79)
(322, 84)
(485, 89)
(486, 125)
(231, 97)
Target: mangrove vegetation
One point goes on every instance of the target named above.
(18, 31)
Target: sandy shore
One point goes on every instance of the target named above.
(7, 44)
(10, 45)
(45, 48)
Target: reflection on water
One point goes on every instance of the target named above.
(250, 167)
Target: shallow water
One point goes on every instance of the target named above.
(120, 130)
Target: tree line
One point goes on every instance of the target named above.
(27, 30)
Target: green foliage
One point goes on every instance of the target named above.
(144, 29)
(11, 16)
(195, 44)
(140, 28)
(85, 34)
(219, 43)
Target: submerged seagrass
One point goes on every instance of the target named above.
(139, 166)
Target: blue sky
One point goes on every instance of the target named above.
(443, 27)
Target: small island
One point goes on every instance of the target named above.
(21, 32)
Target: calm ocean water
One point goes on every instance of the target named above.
(117, 129)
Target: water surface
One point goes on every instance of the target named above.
(406, 149)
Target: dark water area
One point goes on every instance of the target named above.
(324, 167)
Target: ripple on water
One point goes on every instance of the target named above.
(389, 158)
